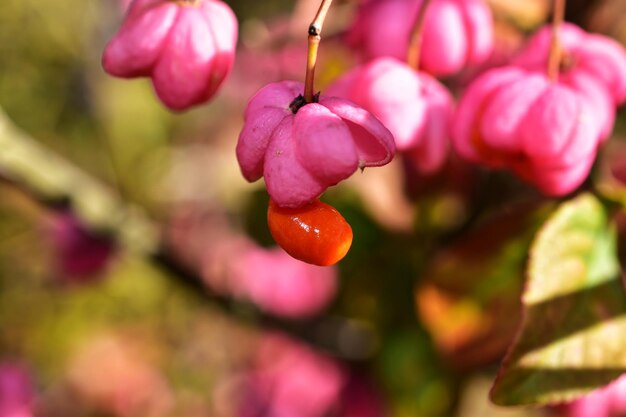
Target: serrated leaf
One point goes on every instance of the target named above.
(572, 338)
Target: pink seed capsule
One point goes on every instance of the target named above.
(186, 47)
(457, 33)
(301, 148)
(413, 105)
(520, 120)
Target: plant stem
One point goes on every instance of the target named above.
(27, 163)
(415, 38)
(554, 60)
(315, 31)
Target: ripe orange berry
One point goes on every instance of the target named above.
(316, 233)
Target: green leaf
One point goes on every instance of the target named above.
(572, 338)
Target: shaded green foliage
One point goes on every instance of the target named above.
(572, 336)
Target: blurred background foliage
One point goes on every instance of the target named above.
(428, 296)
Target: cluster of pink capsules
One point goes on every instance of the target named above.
(541, 116)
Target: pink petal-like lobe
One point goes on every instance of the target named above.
(506, 111)
(183, 73)
(550, 121)
(187, 49)
(324, 144)
(452, 46)
(466, 134)
(288, 182)
(374, 143)
(137, 46)
(265, 111)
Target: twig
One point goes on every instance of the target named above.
(315, 32)
(554, 60)
(415, 38)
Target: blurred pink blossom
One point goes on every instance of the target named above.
(124, 4)
(111, 374)
(269, 278)
(233, 265)
(289, 379)
(79, 253)
(414, 106)
(187, 47)
(301, 150)
(457, 33)
(588, 54)
(508, 40)
(618, 169)
(544, 131)
(268, 53)
(282, 285)
(609, 401)
(15, 391)
(255, 68)
(360, 399)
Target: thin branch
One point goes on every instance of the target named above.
(50, 177)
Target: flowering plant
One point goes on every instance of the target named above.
(350, 208)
